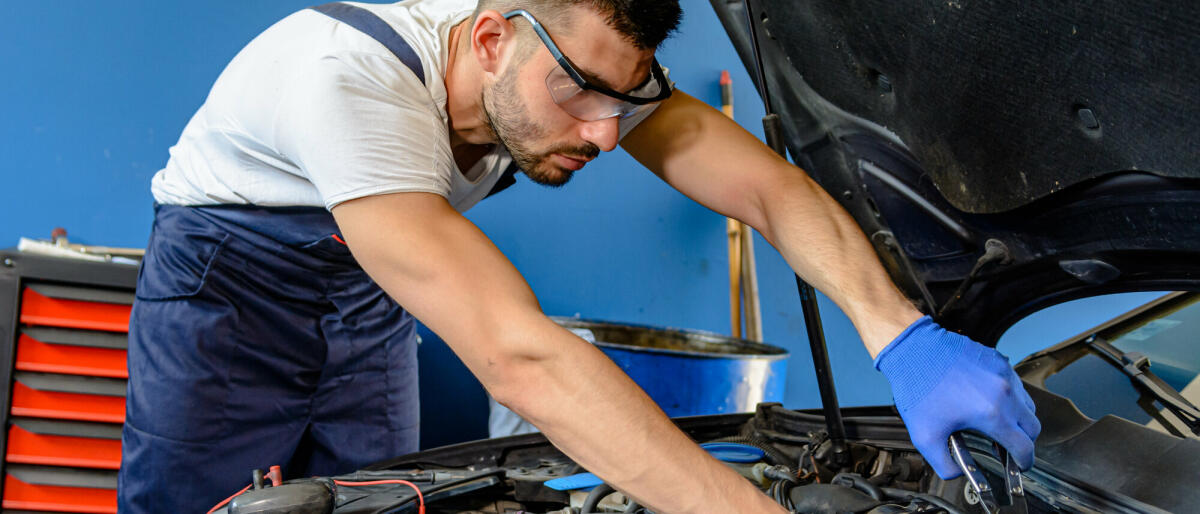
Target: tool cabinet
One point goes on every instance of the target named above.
(63, 336)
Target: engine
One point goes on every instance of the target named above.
(787, 454)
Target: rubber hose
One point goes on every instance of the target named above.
(901, 494)
(861, 484)
(593, 498)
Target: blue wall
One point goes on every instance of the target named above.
(95, 92)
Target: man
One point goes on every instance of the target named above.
(257, 339)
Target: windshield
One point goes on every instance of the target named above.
(1168, 338)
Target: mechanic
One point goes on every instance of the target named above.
(356, 135)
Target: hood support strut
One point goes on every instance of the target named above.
(773, 130)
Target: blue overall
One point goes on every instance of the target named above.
(256, 340)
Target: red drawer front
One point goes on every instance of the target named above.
(20, 495)
(27, 401)
(25, 447)
(37, 309)
(34, 355)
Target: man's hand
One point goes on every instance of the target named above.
(944, 382)
(441, 268)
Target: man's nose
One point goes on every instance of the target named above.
(602, 133)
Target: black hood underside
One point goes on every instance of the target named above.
(1063, 132)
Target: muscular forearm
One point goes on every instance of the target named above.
(820, 240)
(596, 415)
(443, 270)
(712, 160)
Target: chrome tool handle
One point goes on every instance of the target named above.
(979, 483)
(1014, 487)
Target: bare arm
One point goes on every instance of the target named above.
(441, 268)
(712, 160)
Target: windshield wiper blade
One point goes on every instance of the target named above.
(1137, 366)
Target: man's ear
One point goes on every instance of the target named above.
(493, 41)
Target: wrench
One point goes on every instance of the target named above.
(1014, 489)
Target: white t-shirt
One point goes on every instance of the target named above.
(313, 112)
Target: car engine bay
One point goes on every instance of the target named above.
(787, 453)
(843, 460)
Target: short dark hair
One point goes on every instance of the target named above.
(645, 23)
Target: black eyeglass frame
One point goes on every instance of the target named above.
(656, 71)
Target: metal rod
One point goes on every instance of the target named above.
(816, 332)
(820, 356)
(762, 78)
(773, 130)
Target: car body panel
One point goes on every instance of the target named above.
(941, 126)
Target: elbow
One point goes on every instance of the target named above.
(521, 388)
(523, 363)
(515, 373)
(506, 380)
(517, 399)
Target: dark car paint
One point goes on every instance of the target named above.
(1117, 211)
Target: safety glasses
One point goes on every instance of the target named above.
(588, 101)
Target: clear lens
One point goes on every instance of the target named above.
(591, 105)
(561, 87)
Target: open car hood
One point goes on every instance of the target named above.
(1061, 136)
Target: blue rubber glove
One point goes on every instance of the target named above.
(944, 382)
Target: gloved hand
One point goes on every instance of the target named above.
(944, 382)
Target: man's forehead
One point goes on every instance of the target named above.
(602, 55)
(640, 78)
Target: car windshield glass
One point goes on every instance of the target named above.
(1170, 339)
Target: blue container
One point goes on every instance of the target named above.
(690, 372)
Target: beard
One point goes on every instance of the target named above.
(511, 125)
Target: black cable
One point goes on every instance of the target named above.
(802, 462)
(781, 493)
(901, 494)
(439, 488)
(857, 482)
(883, 477)
(807, 457)
(994, 251)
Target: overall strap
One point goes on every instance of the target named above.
(507, 179)
(370, 24)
